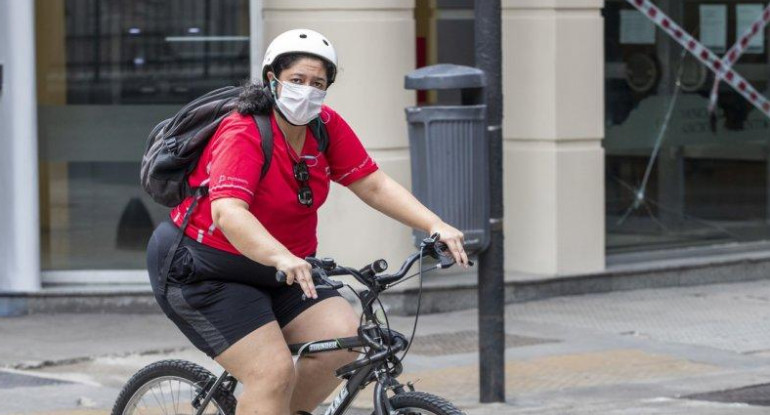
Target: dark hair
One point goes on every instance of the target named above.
(256, 98)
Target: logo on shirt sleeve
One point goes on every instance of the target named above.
(229, 182)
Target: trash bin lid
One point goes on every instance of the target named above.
(445, 76)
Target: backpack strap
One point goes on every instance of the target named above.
(200, 192)
(266, 133)
(320, 133)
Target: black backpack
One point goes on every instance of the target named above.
(175, 144)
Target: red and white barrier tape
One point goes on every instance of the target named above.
(703, 54)
(737, 50)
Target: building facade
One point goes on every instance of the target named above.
(594, 175)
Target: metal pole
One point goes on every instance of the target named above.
(488, 35)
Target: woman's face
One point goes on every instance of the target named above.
(305, 71)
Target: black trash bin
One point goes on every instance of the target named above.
(449, 152)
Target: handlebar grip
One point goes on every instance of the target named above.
(280, 276)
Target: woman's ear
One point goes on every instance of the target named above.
(270, 76)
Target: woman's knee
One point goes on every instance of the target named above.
(275, 376)
(345, 323)
(260, 359)
(342, 328)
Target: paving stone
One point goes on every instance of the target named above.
(617, 353)
(466, 341)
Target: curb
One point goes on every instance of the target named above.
(39, 364)
(438, 295)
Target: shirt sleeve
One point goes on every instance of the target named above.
(236, 160)
(348, 160)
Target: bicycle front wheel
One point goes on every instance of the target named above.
(414, 403)
(169, 387)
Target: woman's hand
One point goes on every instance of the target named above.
(453, 238)
(299, 270)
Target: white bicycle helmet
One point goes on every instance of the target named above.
(300, 41)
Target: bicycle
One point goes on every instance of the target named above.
(377, 342)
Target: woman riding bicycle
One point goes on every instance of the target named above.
(222, 292)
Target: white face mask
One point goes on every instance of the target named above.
(298, 103)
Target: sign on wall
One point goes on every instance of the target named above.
(635, 29)
(713, 27)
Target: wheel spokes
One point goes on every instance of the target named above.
(155, 398)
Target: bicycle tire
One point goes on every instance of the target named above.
(180, 371)
(418, 402)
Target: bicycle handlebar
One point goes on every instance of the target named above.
(367, 275)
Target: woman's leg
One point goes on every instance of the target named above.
(315, 380)
(261, 361)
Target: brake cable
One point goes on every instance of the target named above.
(438, 266)
(387, 324)
(417, 315)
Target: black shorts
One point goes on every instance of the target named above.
(215, 297)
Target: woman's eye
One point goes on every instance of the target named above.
(296, 80)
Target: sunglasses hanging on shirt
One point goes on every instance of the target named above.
(302, 175)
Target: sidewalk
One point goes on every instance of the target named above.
(637, 352)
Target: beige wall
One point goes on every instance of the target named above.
(375, 42)
(553, 76)
(553, 89)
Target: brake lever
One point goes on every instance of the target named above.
(326, 282)
(318, 274)
(446, 259)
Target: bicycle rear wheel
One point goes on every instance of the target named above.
(169, 387)
(421, 403)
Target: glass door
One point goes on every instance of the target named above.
(108, 71)
(676, 176)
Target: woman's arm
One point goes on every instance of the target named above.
(381, 192)
(231, 215)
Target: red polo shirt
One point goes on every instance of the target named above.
(232, 161)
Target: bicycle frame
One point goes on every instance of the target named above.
(357, 374)
(372, 368)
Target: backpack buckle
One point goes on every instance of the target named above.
(170, 143)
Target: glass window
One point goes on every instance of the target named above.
(108, 71)
(675, 176)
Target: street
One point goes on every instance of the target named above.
(659, 351)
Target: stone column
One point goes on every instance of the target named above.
(20, 227)
(553, 86)
(375, 42)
